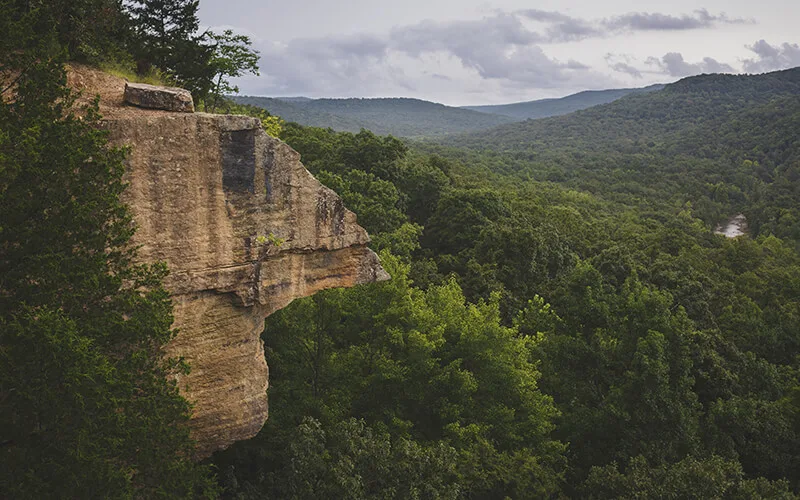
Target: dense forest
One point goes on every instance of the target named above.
(723, 143)
(562, 320)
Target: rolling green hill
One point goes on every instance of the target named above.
(723, 143)
(296, 111)
(395, 116)
(544, 108)
(683, 107)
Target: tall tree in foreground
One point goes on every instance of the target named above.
(86, 410)
(167, 38)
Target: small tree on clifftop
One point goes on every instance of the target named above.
(233, 57)
(167, 38)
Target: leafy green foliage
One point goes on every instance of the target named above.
(166, 37)
(88, 30)
(562, 321)
(86, 408)
(440, 376)
(689, 478)
(353, 460)
(232, 57)
(670, 353)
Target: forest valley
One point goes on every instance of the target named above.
(561, 322)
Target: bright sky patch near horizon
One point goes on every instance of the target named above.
(471, 52)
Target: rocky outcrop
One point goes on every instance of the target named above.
(245, 229)
(154, 97)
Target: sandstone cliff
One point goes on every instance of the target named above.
(244, 228)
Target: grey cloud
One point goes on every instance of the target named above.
(505, 48)
(357, 46)
(673, 64)
(500, 47)
(646, 21)
(562, 27)
(622, 67)
(462, 36)
(772, 57)
(440, 76)
(336, 64)
(573, 64)
(546, 15)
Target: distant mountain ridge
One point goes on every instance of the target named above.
(416, 118)
(544, 108)
(403, 117)
(689, 107)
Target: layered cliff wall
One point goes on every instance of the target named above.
(244, 228)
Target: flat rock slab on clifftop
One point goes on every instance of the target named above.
(154, 97)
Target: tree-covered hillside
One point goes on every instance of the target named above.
(692, 103)
(400, 117)
(724, 143)
(562, 320)
(544, 108)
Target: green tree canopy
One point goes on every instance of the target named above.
(166, 37)
(86, 408)
(232, 57)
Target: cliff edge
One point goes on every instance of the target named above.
(244, 228)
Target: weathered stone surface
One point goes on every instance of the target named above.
(212, 195)
(154, 97)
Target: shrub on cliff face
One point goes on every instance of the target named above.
(86, 410)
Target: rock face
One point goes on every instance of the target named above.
(153, 97)
(244, 228)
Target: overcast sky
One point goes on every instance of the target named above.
(462, 52)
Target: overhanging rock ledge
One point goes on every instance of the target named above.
(244, 228)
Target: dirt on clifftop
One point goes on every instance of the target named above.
(91, 82)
